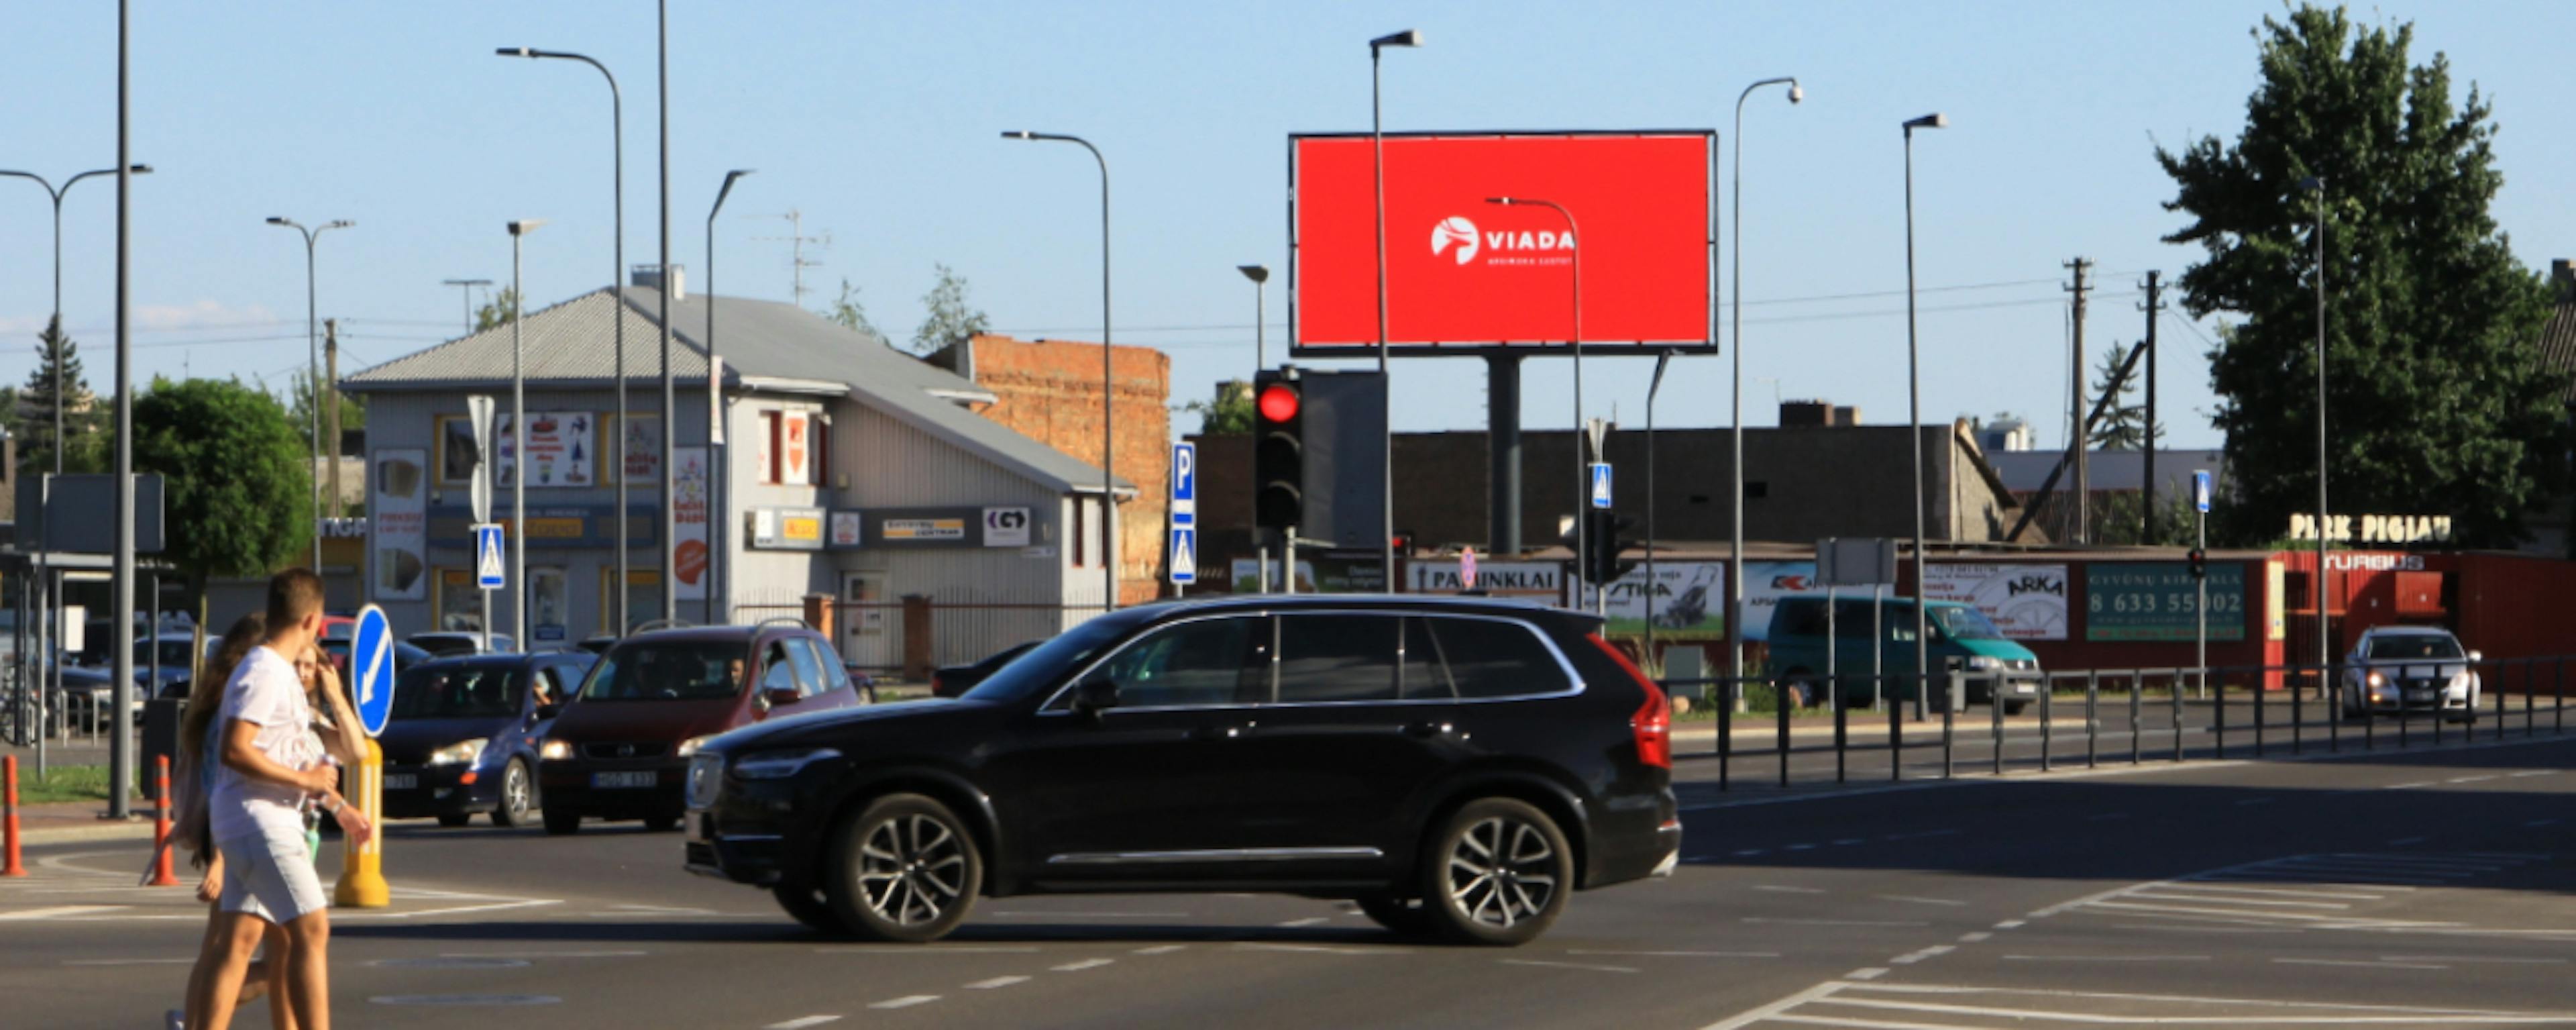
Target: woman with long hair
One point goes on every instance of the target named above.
(192, 828)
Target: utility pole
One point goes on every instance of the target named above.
(327, 392)
(2076, 441)
(2154, 307)
(796, 263)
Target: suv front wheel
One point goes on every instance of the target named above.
(1497, 873)
(903, 869)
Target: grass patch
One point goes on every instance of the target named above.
(63, 783)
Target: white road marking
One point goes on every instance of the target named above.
(1911, 899)
(2010, 924)
(1089, 963)
(2344, 1014)
(129, 962)
(457, 910)
(801, 1023)
(1092, 915)
(2363, 965)
(670, 910)
(1913, 957)
(544, 954)
(1774, 888)
(2475, 958)
(1677, 954)
(2472, 779)
(2239, 901)
(1748, 854)
(915, 949)
(1972, 938)
(1313, 949)
(2106, 958)
(1568, 965)
(1160, 949)
(1831, 922)
(1746, 1019)
(1308, 921)
(996, 982)
(905, 1002)
(1871, 973)
(59, 911)
(2205, 885)
(2408, 786)
(2532, 772)
(2203, 927)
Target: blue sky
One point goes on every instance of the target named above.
(879, 122)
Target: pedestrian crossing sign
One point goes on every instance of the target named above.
(488, 573)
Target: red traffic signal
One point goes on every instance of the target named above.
(1278, 402)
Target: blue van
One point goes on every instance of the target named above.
(1962, 637)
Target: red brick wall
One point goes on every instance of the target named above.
(1050, 391)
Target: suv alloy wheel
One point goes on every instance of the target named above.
(904, 869)
(1497, 874)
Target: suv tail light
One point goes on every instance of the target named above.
(1653, 723)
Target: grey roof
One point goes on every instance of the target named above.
(571, 345)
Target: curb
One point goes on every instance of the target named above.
(137, 830)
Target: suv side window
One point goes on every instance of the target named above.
(809, 669)
(1196, 663)
(1491, 658)
(777, 671)
(836, 676)
(1337, 658)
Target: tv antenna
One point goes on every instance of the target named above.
(796, 261)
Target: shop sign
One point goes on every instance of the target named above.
(2026, 602)
(787, 529)
(2160, 601)
(1543, 580)
(2375, 529)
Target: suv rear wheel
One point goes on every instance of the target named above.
(1407, 917)
(807, 904)
(1497, 873)
(904, 869)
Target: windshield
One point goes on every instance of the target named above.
(1041, 664)
(458, 691)
(2411, 646)
(667, 672)
(1967, 624)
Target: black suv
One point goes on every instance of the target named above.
(1456, 766)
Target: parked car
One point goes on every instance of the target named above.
(405, 656)
(598, 644)
(622, 749)
(447, 643)
(2398, 669)
(1962, 637)
(1457, 766)
(464, 732)
(954, 680)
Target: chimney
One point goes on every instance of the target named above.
(650, 277)
(1817, 414)
(2562, 274)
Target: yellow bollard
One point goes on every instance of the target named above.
(362, 868)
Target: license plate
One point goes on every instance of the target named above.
(2419, 695)
(2025, 688)
(610, 780)
(401, 781)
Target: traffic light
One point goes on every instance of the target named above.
(1278, 449)
(2199, 563)
(1604, 539)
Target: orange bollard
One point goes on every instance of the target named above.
(9, 826)
(162, 875)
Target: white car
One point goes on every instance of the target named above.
(2396, 669)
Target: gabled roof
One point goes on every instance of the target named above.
(571, 345)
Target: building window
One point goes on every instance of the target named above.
(1079, 541)
(458, 605)
(455, 450)
(643, 597)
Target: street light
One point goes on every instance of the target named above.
(716, 542)
(1735, 521)
(312, 372)
(1385, 382)
(519, 593)
(466, 287)
(2325, 650)
(1914, 411)
(1260, 314)
(670, 391)
(1581, 478)
(616, 602)
(57, 321)
(1108, 382)
(1653, 387)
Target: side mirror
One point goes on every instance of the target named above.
(2477, 657)
(778, 696)
(1096, 695)
(549, 711)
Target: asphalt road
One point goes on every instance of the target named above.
(2433, 888)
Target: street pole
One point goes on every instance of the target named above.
(1914, 415)
(2325, 646)
(1653, 585)
(1259, 274)
(1385, 382)
(2200, 631)
(670, 281)
(2078, 444)
(2149, 525)
(1108, 383)
(121, 750)
(1582, 476)
(615, 603)
(717, 468)
(465, 290)
(1735, 518)
(313, 363)
(519, 592)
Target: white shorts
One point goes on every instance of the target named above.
(270, 878)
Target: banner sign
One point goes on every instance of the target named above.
(1765, 583)
(2027, 602)
(400, 520)
(1687, 599)
(1463, 274)
(2160, 601)
(787, 529)
(689, 507)
(1543, 581)
(562, 449)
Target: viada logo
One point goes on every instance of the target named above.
(1458, 230)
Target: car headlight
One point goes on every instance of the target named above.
(690, 746)
(2378, 680)
(778, 765)
(463, 752)
(1981, 662)
(555, 751)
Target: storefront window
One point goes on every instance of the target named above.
(459, 603)
(643, 598)
(549, 604)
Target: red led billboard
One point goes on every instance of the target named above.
(1465, 275)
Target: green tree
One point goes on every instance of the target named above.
(31, 419)
(850, 313)
(951, 318)
(300, 403)
(1229, 413)
(2435, 396)
(2123, 426)
(234, 476)
(501, 310)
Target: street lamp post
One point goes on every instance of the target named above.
(1259, 274)
(2325, 647)
(1653, 584)
(1914, 413)
(1735, 520)
(615, 604)
(313, 371)
(1386, 383)
(1581, 477)
(57, 321)
(519, 592)
(670, 391)
(465, 287)
(716, 521)
(1108, 381)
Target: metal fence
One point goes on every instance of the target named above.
(2090, 718)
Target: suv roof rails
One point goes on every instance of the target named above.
(649, 625)
(790, 620)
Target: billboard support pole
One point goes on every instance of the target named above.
(1503, 453)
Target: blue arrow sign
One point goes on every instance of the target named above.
(1185, 554)
(371, 668)
(1185, 484)
(1600, 484)
(488, 574)
(2200, 490)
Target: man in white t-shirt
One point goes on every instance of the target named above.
(271, 766)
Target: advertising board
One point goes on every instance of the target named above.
(1464, 275)
(399, 561)
(1687, 600)
(2027, 602)
(1765, 583)
(1542, 581)
(690, 483)
(2160, 601)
